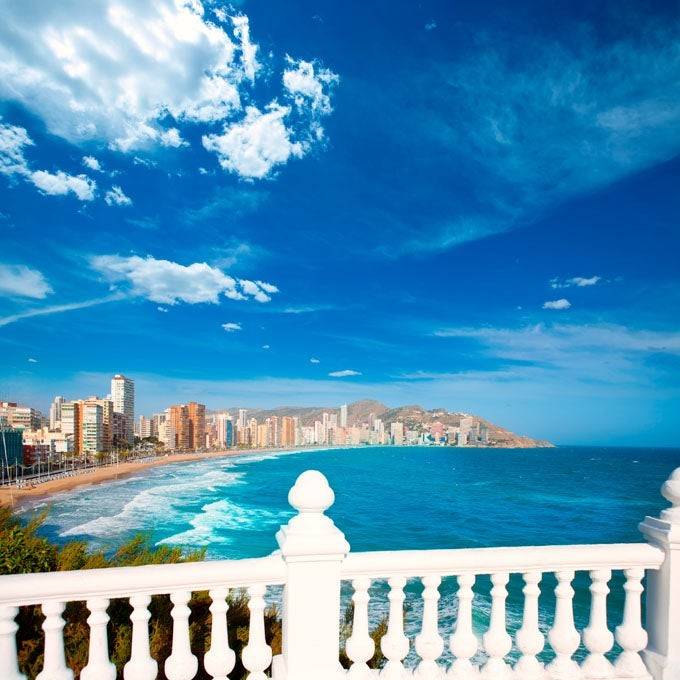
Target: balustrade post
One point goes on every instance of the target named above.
(662, 655)
(360, 647)
(99, 666)
(313, 549)
(140, 666)
(9, 669)
(54, 667)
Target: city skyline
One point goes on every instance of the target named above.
(471, 207)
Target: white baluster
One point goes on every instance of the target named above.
(54, 667)
(220, 659)
(497, 642)
(140, 666)
(360, 647)
(429, 643)
(181, 664)
(9, 669)
(463, 642)
(529, 639)
(597, 638)
(563, 636)
(257, 654)
(394, 644)
(630, 634)
(99, 666)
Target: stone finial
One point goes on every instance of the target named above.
(311, 493)
(310, 532)
(671, 492)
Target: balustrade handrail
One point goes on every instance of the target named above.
(522, 559)
(19, 590)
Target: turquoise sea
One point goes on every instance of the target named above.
(390, 498)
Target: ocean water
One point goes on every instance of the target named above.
(390, 498)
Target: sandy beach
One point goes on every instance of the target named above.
(14, 496)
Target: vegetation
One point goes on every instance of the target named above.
(23, 550)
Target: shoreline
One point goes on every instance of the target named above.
(13, 496)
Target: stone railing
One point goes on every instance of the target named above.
(314, 562)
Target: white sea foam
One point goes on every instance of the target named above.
(214, 518)
(157, 504)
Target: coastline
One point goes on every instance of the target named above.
(13, 496)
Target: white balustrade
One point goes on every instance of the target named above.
(9, 668)
(429, 643)
(220, 659)
(497, 642)
(463, 642)
(54, 667)
(597, 637)
(181, 664)
(98, 665)
(257, 654)
(394, 644)
(140, 666)
(529, 639)
(563, 636)
(630, 634)
(314, 558)
(360, 647)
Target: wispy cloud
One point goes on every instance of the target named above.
(58, 309)
(231, 326)
(541, 123)
(314, 360)
(346, 373)
(22, 281)
(578, 281)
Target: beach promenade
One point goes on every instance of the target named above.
(14, 495)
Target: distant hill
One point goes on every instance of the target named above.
(413, 416)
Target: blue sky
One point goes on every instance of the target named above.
(471, 205)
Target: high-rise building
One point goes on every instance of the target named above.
(287, 431)
(123, 397)
(107, 421)
(71, 423)
(343, 415)
(223, 430)
(144, 428)
(92, 427)
(21, 417)
(262, 435)
(242, 419)
(178, 416)
(55, 413)
(196, 414)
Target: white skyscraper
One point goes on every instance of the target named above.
(242, 419)
(55, 413)
(343, 415)
(123, 397)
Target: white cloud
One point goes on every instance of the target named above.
(314, 360)
(116, 196)
(248, 49)
(348, 372)
(162, 309)
(13, 140)
(578, 281)
(31, 360)
(266, 346)
(168, 282)
(92, 163)
(562, 303)
(61, 183)
(231, 327)
(253, 147)
(131, 73)
(310, 85)
(22, 281)
(430, 25)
